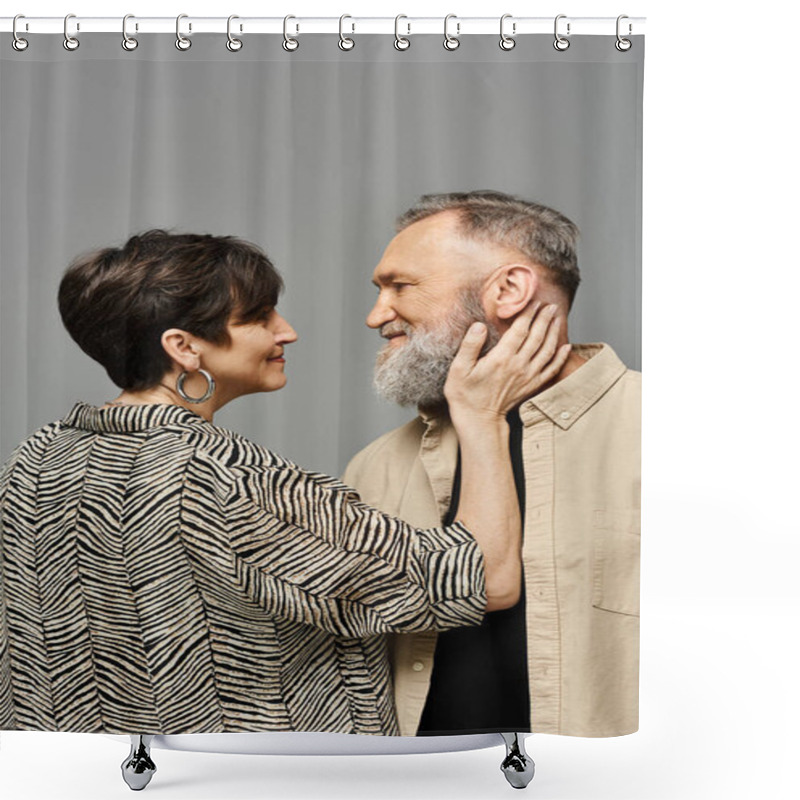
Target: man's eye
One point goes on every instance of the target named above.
(399, 285)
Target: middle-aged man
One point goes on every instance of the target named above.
(565, 659)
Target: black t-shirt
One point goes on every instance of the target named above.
(480, 674)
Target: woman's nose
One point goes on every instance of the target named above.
(287, 332)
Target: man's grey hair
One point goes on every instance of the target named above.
(541, 234)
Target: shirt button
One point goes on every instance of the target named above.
(417, 666)
(565, 415)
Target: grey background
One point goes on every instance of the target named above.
(311, 155)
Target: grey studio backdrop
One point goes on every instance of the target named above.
(311, 155)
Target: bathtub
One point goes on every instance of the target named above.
(139, 766)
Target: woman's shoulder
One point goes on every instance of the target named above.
(234, 451)
(39, 439)
(29, 450)
(240, 458)
(250, 462)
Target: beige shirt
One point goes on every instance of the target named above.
(581, 453)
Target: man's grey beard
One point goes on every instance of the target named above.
(415, 372)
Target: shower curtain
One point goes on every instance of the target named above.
(312, 154)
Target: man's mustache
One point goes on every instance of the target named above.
(394, 328)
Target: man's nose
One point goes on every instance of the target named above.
(382, 312)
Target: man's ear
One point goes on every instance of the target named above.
(182, 348)
(510, 291)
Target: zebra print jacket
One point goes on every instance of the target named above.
(164, 575)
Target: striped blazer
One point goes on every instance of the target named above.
(164, 575)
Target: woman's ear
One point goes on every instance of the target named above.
(182, 348)
(510, 291)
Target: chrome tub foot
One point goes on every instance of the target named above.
(138, 768)
(517, 766)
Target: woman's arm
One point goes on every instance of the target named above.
(306, 549)
(480, 392)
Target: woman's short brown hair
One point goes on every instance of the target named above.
(116, 302)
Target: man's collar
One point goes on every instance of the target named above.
(432, 416)
(566, 401)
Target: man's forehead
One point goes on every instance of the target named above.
(432, 245)
(406, 265)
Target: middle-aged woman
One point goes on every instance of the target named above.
(164, 575)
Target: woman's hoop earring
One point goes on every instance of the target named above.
(209, 392)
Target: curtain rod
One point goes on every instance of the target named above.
(460, 26)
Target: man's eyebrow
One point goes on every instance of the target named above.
(384, 278)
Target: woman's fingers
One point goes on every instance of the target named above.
(470, 349)
(541, 345)
(543, 333)
(528, 333)
(511, 341)
(553, 368)
(526, 358)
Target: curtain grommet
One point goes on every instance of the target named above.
(233, 44)
(401, 43)
(70, 43)
(561, 43)
(507, 42)
(345, 42)
(181, 42)
(129, 43)
(290, 44)
(18, 43)
(451, 42)
(622, 44)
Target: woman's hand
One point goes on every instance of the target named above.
(480, 392)
(525, 359)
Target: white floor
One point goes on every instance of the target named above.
(720, 703)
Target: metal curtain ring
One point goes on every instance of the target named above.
(233, 44)
(507, 42)
(128, 42)
(181, 42)
(561, 43)
(623, 45)
(70, 42)
(19, 44)
(401, 42)
(345, 43)
(451, 42)
(290, 44)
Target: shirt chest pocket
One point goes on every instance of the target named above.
(617, 552)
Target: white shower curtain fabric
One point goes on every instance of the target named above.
(312, 155)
